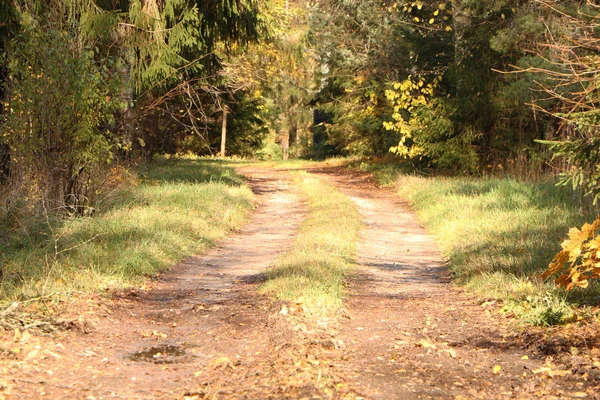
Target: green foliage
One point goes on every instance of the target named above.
(246, 126)
(356, 54)
(162, 34)
(90, 81)
(175, 52)
(271, 151)
(58, 109)
(426, 129)
(583, 155)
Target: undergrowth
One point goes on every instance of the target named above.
(499, 236)
(313, 272)
(175, 208)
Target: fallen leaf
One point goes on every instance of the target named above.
(525, 357)
(497, 369)
(551, 373)
(222, 362)
(579, 395)
(541, 370)
(554, 373)
(159, 334)
(451, 353)
(425, 344)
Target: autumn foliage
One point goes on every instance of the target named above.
(579, 259)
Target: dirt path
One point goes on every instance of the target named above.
(202, 331)
(410, 334)
(151, 343)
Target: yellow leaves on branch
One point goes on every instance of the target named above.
(579, 259)
(405, 97)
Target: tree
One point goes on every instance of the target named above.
(87, 81)
(571, 82)
(58, 109)
(280, 70)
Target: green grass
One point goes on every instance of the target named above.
(499, 235)
(178, 208)
(314, 270)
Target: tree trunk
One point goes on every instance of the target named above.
(461, 25)
(285, 145)
(224, 132)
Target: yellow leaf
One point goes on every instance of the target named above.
(525, 357)
(544, 370)
(159, 334)
(425, 344)
(497, 369)
(222, 362)
(451, 353)
(431, 21)
(557, 372)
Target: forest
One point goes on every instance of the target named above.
(339, 199)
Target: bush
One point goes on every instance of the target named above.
(271, 151)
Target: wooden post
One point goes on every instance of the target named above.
(224, 132)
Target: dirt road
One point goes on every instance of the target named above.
(202, 331)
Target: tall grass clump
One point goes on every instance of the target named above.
(314, 270)
(176, 208)
(500, 235)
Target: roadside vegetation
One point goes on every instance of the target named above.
(499, 235)
(314, 271)
(175, 208)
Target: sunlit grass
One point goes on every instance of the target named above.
(499, 235)
(176, 208)
(314, 271)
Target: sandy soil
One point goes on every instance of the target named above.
(202, 331)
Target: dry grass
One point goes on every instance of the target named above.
(314, 271)
(177, 208)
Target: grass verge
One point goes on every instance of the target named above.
(314, 270)
(499, 235)
(177, 208)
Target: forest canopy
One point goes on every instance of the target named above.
(462, 86)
